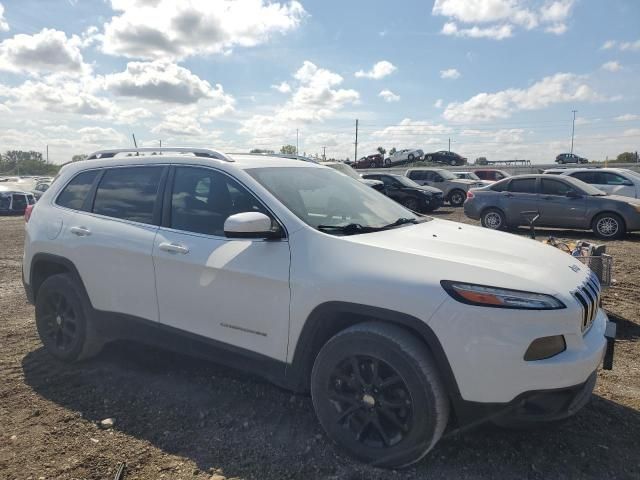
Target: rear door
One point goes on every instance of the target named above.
(235, 291)
(520, 196)
(556, 208)
(109, 238)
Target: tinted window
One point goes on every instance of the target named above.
(555, 187)
(523, 185)
(74, 194)
(202, 199)
(499, 186)
(586, 177)
(416, 175)
(128, 193)
(612, 179)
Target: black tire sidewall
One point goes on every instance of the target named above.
(411, 204)
(456, 192)
(62, 284)
(417, 442)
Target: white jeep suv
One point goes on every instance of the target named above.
(400, 326)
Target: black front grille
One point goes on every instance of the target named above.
(588, 296)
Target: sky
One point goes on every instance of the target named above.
(498, 78)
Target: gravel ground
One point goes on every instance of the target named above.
(179, 418)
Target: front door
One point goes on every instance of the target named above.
(557, 207)
(520, 197)
(235, 291)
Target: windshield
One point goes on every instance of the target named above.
(346, 169)
(321, 197)
(407, 182)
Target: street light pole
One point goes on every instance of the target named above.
(573, 128)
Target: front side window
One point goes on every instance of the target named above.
(321, 197)
(74, 194)
(417, 175)
(587, 177)
(202, 199)
(613, 179)
(523, 185)
(555, 187)
(128, 193)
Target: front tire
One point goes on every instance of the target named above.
(372, 165)
(411, 204)
(453, 163)
(493, 219)
(411, 157)
(608, 226)
(457, 198)
(61, 320)
(378, 395)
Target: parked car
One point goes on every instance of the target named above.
(455, 189)
(399, 325)
(446, 157)
(14, 201)
(39, 189)
(408, 193)
(570, 158)
(370, 161)
(491, 174)
(472, 176)
(350, 172)
(561, 201)
(402, 157)
(614, 181)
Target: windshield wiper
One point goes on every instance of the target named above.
(356, 228)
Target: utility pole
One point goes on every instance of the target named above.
(573, 128)
(449, 145)
(297, 141)
(355, 155)
(47, 153)
(324, 154)
(160, 143)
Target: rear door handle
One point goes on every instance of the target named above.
(173, 248)
(80, 231)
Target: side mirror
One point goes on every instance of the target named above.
(250, 225)
(573, 194)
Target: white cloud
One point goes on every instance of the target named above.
(181, 126)
(630, 45)
(450, 73)
(4, 26)
(162, 29)
(496, 33)
(502, 16)
(100, 136)
(164, 82)
(46, 51)
(612, 66)
(315, 99)
(608, 45)
(282, 87)
(628, 117)
(389, 96)
(132, 116)
(558, 88)
(380, 70)
(412, 132)
(439, 103)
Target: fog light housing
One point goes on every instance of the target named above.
(545, 347)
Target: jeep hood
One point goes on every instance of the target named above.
(456, 251)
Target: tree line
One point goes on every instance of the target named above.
(18, 162)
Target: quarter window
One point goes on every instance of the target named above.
(74, 194)
(523, 185)
(202, 199)
(128, 193)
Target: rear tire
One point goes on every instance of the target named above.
(457, 197)
(493, 219)
(372, 165)
(378, 395)
(62, 322)
(608, 226)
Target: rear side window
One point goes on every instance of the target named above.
(128, 193)
(75, 193)
(499, 186)
(417, 175)
(523, 185)
(586, 177)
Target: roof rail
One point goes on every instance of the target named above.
(198, 152)
(291, 156)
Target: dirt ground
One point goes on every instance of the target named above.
(179, 418)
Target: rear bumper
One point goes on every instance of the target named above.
(470, 211)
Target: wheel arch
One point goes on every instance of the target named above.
(327, 319)
(611, 212)
(44, 265)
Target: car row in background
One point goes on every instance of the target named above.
(559, 201)
(14, 201)
(454, 189)
(614, 181)
(422, 199)
(409, 155)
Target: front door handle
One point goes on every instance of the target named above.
(80, 231)
(173, 248)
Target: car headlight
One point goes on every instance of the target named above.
(486, 296)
